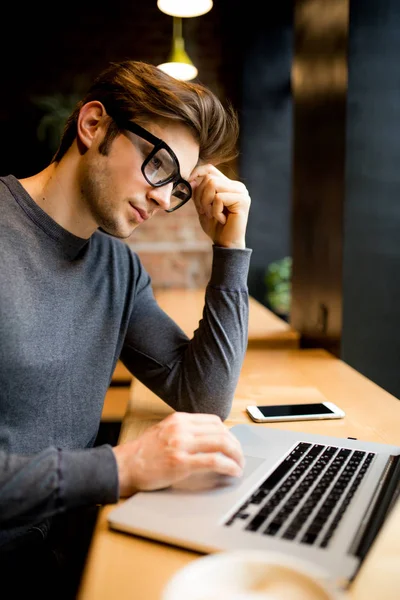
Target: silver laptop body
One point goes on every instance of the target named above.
(315, 497)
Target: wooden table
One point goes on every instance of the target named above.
(124, 567)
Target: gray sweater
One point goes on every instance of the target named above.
(69, 308)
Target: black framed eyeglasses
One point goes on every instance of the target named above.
(161, 166)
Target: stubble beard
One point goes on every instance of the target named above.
(97, 195)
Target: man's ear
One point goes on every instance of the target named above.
(90, 120)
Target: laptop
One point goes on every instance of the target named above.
(319, 498)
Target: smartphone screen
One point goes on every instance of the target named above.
(295, 410)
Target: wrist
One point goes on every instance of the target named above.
(122, 460)
(235, 245)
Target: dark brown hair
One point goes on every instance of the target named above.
(141, 92)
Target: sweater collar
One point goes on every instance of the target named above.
(71, 244)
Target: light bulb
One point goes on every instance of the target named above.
(177, 70)
(183, 8)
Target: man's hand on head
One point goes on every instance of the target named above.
(179, 446)
(223, 206)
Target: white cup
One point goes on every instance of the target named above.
(251, 575)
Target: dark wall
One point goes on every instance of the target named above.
(319, 132)
(346, 183)
(266, 138)
(371, 310)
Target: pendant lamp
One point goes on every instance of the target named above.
(185, 8)
(179, 64)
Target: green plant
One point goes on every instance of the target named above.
(56, 108)
(278, 283)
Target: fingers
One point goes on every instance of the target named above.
(214, 194)
(209, 442)
(204, 196)
(206, 169)
(171, 450)
(203, 434)
(215, 462)
(223, 205)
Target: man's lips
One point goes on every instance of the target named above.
(142, 215)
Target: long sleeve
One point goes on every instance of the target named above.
(201, 374)
(33, 488)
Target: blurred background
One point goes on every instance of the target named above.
(316, 84)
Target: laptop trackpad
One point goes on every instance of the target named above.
(211, 481)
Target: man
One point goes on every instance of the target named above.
(74, 299)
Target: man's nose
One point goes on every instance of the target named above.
(162, 195)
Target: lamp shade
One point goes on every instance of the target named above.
(179, 64)
(181, 71)
(184, 8)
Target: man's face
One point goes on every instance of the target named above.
(113, 187)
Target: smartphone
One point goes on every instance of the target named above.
(295, 412)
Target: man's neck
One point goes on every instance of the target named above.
(54, 190)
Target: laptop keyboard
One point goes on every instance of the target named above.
(306, 496)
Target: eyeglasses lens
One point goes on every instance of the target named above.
(161, 168)
(180, 194)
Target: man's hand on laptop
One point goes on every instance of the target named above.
(178, 446)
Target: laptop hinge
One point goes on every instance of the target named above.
(386, 493)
